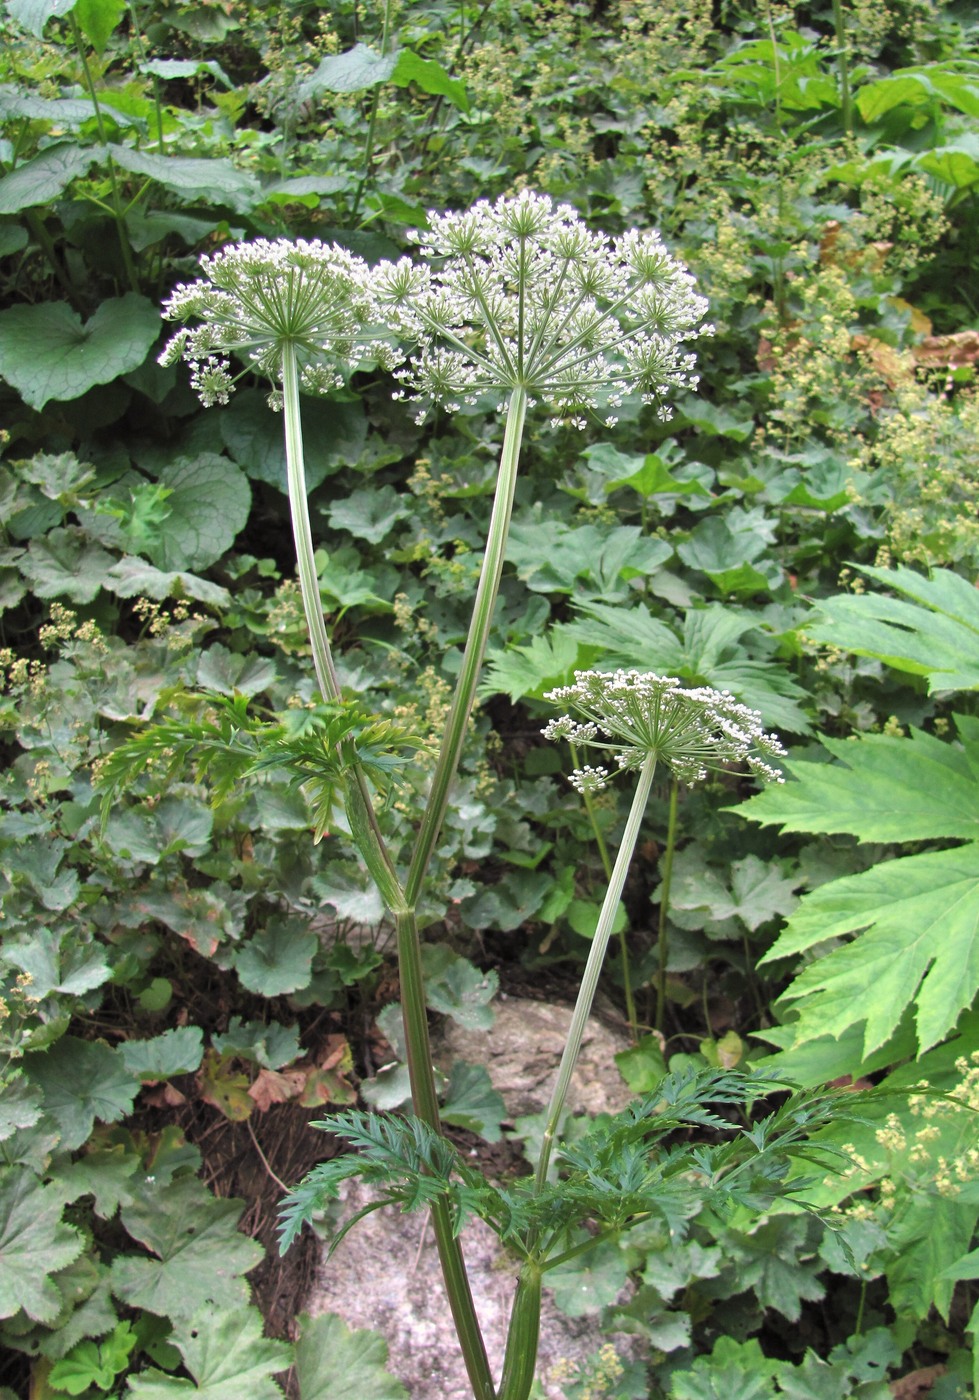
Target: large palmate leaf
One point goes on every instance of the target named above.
(193, 178)
(207, 504)
(335, 1363)
(82, 1080)
(34, 1244)
(918, 924)
(912, 923)
(883, 788)
(228, 1357)
(932, 630)
(47, 353)
(43, 178)
(201, 1257)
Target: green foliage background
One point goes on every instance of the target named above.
(803, 533)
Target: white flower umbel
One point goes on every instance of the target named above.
(520, 294)
(642, 715)
(255, 298)
(646, 720)
(293, 312)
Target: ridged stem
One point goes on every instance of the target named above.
(479, 628)
(664, 905)
(593, 967)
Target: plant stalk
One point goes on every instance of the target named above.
(370, 842)
(630, 1000)
(425, 1104)
(465, 691)
(593, 967)
(843, 60)
(664, 905)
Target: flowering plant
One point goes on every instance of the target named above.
(519, 300)
(522, 295)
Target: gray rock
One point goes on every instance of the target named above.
(522, 1052)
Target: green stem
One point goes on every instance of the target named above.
(46, 243)
(664, 906)
(630, 1000)
(371, 122)
(465, 691)
(359, 808)
(593, 967)
(425, 1104)
(368, 838)
(326, 673)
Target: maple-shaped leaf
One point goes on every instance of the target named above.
(34, 1244)
(913, 922)
(883, 788)
(200, 1256)
(226, 1354)
(917, 921)
(335, 1363)
(932, 630)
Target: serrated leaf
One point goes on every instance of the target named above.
(45, 176)
(20, 1106)
(278, 959)
(715, 649)
(64, 564)
(358, 68)
(771, 1261)
(334, 433)
(176, 1051)
(231, 672)
(170, 68)
(208, 504)
(82, 1080)
(58, 962)
(335, 1363)
(34, 1244)
(456, 988)
(46, 352)
(97, 19)
(201, 1256)
(733, 1371)
(271, 1046)
(228, 1357)
(104, 1173)
(193, 177)
(884, 788)
(933, 630)
(369, 513)
(131, 577)
(520, 671)
(917, 921)
(590, 1281)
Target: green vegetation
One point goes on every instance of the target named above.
(217, 837)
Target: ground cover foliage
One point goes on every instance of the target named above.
(183, 965)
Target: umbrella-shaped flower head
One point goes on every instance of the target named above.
(522, 294)
(255, 299)
(635, 715)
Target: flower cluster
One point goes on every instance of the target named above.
(635, 714)
(255, 299)
(520, 294)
